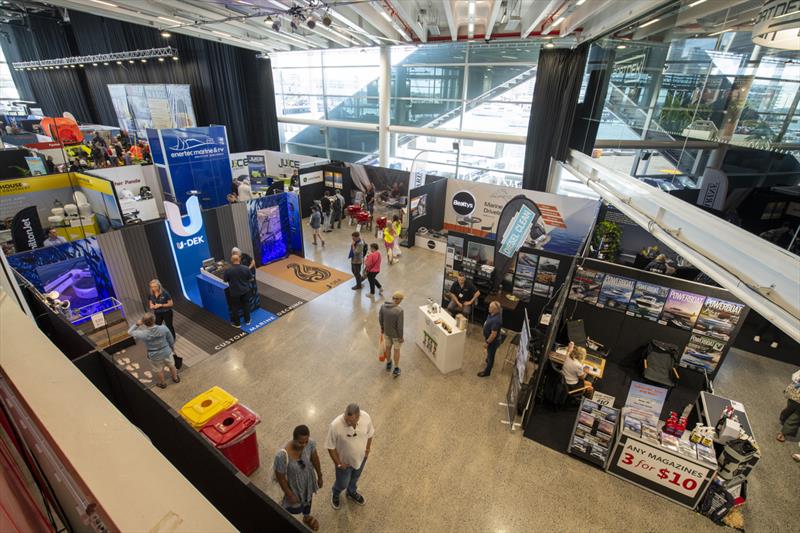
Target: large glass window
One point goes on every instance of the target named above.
(8, 91)
(456, 86)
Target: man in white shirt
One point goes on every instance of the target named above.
(244, 191)
(53, 238)
(348, 443)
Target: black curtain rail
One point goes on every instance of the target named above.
(229, 85)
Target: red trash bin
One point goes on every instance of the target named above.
(233, 432)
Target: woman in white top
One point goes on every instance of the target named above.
(574, 371)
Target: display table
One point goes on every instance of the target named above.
(428, 242)
(445, 349)
(710, 407)
(213, 291)
(144, 209)
(651, 466)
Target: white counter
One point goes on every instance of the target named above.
(445, 350)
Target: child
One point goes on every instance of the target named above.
(316, 223)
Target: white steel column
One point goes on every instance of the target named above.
(384, 81)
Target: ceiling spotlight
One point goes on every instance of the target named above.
(144, 61)
(276, 25)
(326, 21)
(549, 45)
(174, 58)
(130, 61)
(72, 66)
(81, 65)
(119, 62)
(94, 64)
(165, 34)
(160, 59)
(57, 66)
(105, 63)
(311, 23)
(621, 47)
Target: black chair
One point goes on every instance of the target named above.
(660, 363)
(557, 393)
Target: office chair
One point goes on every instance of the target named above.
(577, 334)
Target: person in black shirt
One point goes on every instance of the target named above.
(327, 207)
(463, 295)
(491, 335)
(160, 303)
(50, 165)
(238, 278)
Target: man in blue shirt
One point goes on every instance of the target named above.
(491, 334)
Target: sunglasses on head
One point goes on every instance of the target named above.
(353, 435)
(301, 463)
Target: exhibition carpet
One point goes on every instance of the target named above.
(258, 319)
(307, 275)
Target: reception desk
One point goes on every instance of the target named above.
(444, 348)
(213, 291)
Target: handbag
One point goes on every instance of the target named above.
(178, 361)
(382, 349)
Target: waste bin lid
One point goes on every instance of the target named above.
(230, 425)
(204, 406)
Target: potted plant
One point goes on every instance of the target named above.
(606, 239)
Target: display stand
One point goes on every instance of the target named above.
(593, 432)
(668, 473)
(445, 349)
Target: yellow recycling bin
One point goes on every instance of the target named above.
(205, 406)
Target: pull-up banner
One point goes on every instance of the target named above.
(187, 237)
(26, 230)
(520, 223)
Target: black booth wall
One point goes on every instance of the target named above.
(12, 163)
(229, 85)
(315, 191)
(433, 219)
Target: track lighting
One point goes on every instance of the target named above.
(165, 34)
(326, 21)
(311, 23)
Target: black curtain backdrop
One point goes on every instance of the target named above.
(555, 98)
(229, 85)
(590, 110)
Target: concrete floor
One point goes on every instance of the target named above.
(441, 459)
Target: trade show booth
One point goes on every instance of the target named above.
(74, 204)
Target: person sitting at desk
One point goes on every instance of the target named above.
(463, 295)
(574, 371)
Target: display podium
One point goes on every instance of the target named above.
(444, 348)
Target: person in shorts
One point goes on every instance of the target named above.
(159, 343)
(316, 223)
(390, 318)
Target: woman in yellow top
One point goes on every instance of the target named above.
(389, 236)
(398, 230)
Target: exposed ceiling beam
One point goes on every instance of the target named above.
(261, 32)
(369, 14)
(612, 19)
(493, 14)
(354, 27)
(319, 33)
(380, 9)
(535, 14)
(409, 20)
(581, 13)
(449, 12)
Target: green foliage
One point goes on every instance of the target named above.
(606, 239)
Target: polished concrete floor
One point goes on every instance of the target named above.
(441, 459)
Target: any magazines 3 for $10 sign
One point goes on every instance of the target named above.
(665, 469)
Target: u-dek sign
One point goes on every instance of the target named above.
(778, 25)
(189, 244)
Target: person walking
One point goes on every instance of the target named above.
(292, 466)
(390, 318)
(159, 343)
(357, 251)
(397, 226)
(238, 276)
(327, 206)
(790, 416)
(491, 335)
(160, 303)
(339, 200)
(348, 442)
(316, 222)
(372, 267)
(388, 242)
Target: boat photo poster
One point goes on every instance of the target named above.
(647, 301)
(718, 318)
(681, 309)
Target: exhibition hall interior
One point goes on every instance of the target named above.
(399, 265)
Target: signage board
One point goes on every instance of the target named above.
(311, 178)
(189, 245)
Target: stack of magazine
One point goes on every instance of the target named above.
(594, 430)
(646, 426)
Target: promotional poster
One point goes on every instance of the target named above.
(718, 318)
(475, 208)
(516, 227)
(390, 185)
(586, 285)
(648, 300)
(681, 309)
(702, 353)
(546, 277)
(616, 292)
(276, 164)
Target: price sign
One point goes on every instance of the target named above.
(665, 469)
(98, 320)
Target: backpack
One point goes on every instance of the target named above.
(366, 250)
(337, 204)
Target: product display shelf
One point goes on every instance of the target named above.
(444, 348)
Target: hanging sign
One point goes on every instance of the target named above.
(778, 25)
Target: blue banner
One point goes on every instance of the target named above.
(197, 163)
(517, 231)
(155, 146)
(189, 245)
